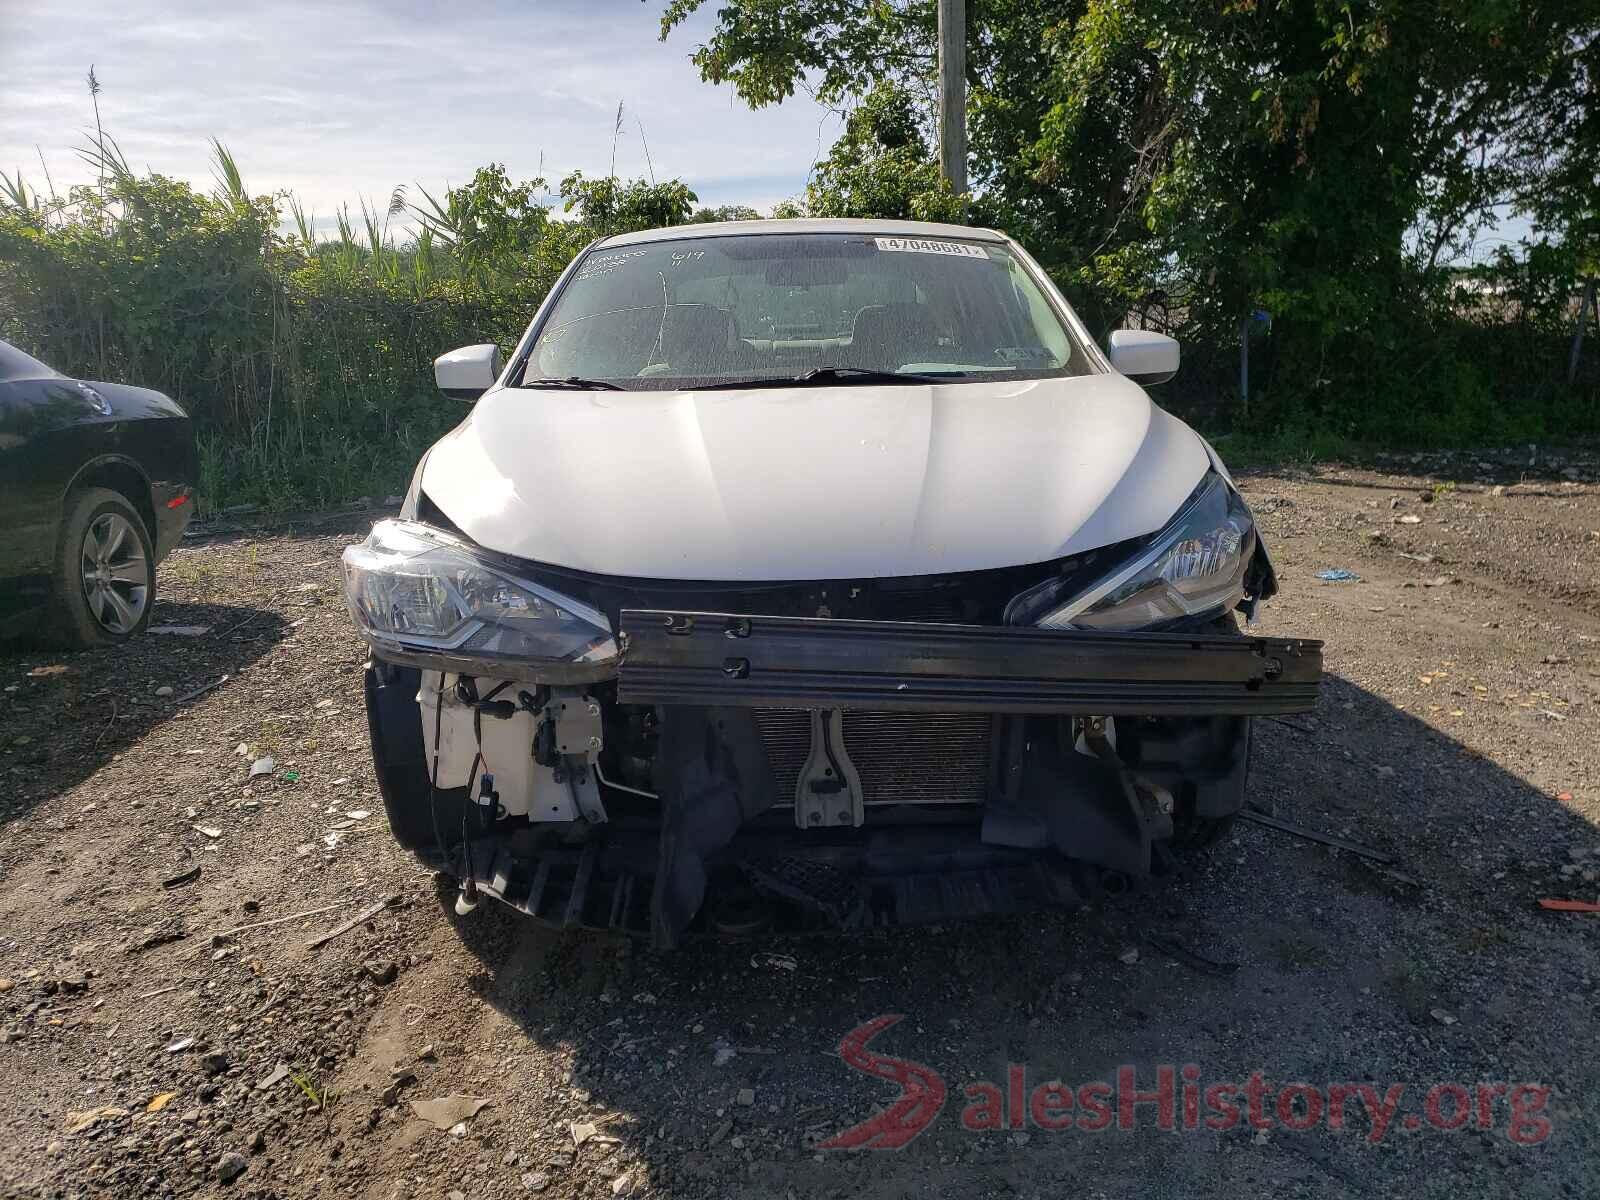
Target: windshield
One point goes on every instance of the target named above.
(710, 311)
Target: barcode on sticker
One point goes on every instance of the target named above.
(930, 246)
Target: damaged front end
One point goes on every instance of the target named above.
(710, 758)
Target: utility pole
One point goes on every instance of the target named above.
(1585, 302)
(953, 93)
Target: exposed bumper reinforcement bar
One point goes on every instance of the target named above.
(717, 659)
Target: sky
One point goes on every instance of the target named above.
(339, 100)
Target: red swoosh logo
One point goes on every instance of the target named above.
(922, 1092)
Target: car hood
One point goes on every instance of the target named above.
(813, 483)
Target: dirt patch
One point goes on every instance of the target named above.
(151, 1051)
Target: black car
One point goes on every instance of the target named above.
(96, 485)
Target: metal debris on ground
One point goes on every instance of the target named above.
(1327, 839)
(1390, 873)
(1173, 948)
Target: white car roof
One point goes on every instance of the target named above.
(927, 229)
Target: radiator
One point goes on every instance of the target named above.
(901, 757)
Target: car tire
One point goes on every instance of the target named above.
(105, 570)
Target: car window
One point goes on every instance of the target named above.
(699, 310)
(14, 364)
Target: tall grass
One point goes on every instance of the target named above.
(304, 360)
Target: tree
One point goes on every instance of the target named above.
(606, 206)
(1323, 161)
(882, 166)
(488, 221)
(727, 212)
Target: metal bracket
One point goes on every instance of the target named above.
(579, 778)
(1095, 737)
(579, 735)
(828, 791)
(577, 723)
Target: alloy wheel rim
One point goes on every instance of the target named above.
(116, 574)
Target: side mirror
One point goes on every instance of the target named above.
(1144, 357)
(469, 372)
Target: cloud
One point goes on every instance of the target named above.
(340, 100)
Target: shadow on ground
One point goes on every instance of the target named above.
(1343, 974)
(65, 714)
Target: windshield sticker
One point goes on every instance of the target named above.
(929, 246)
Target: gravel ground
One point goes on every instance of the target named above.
(169, 1030)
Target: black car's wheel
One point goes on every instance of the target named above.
(105, 569)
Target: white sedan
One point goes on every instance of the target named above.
(813, 573)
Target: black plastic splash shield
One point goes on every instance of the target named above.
(801, 662)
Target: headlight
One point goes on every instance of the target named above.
(1195, 565)
(423, 597)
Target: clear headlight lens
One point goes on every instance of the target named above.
(421, 595)
(1195, 565)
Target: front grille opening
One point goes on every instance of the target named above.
(901, 757)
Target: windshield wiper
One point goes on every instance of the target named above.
(827, 375)
(574, 381)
